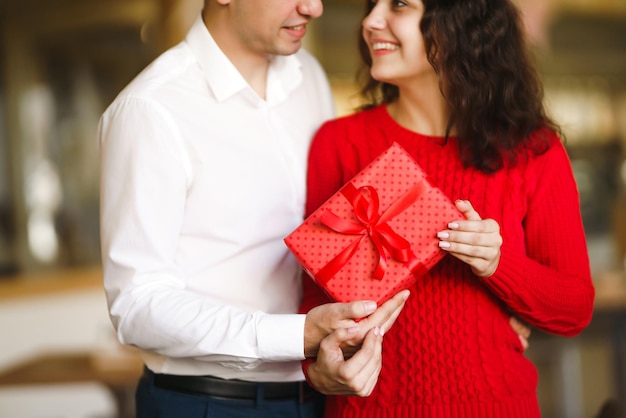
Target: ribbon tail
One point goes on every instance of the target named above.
(333, 266)
(398, 247)
(381, 265)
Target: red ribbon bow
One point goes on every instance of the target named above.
(365, 203)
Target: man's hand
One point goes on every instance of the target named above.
(332, 374)
(324, 319)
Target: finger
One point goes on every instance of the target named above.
(351, 376)
(466, 208)
(329, 373)
(522, 331)
(344, 315)
(482, 226)
(371, 383)
(330, 347)
(524, 342)
(363, 369)
(519, 327)
(359, 309)
(386, 326)
(324, 319)
(469, 252)
(481, 267)
(386, 315)
(360, 357)
(481, 238)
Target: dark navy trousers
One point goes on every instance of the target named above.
(154, 402)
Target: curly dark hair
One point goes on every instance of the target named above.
(487, 75)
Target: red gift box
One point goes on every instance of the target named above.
(377, 235)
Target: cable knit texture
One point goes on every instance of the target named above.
(452, 352)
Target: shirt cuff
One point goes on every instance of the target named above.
(281, 337)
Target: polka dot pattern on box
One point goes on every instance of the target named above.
(393, 175)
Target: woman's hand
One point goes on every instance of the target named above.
(475, 241)
(522, 330)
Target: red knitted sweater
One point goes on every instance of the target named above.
(452, 352)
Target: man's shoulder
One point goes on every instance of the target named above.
(163, 72)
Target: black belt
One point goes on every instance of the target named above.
(234, 389)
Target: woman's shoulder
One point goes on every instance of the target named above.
(539, 143)
(546, 136)
(545, 151)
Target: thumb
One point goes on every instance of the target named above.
(360, 309)
(466, 208)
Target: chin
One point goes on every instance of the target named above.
(382, 76)
(287, 49)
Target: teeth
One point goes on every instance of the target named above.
(299, 27)
(377, 46)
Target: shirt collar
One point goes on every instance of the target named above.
(225, 80)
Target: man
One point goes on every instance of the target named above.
(203, 165)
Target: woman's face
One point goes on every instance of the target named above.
(391, 31)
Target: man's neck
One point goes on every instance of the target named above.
(252, 67)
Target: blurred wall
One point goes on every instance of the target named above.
(63, 61)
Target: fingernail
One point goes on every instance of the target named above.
(382, 331)
(353, 330)
(370, 307)
(453, 225)
(443, 234)
(444, 244)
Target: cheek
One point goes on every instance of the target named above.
(414, 51)
(413, 56)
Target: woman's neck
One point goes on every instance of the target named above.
(422, 111)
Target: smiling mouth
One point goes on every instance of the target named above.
(297, 28)
(380, 46)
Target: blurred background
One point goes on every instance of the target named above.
(63, 61)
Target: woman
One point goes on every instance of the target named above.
(451, 81)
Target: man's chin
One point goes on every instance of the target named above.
(288, 48)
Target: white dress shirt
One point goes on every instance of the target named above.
(201, 180)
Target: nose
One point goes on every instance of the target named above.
(311, 8)
(375, 20)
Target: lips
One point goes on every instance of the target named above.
(384, 46)
(296, 31)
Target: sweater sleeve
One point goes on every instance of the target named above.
(549, 285)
